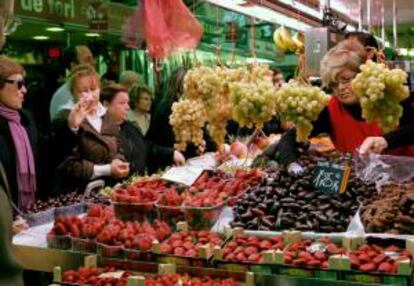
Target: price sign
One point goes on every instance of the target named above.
(186, 175)
(331, 178)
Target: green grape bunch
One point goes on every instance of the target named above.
(300, 103)
(380, 92)
(253, 97)
(187, 119)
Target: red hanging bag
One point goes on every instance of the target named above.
(167, 26)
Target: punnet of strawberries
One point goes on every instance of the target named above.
(96, 277)
(373, 258)
(218, 187)
(143, 191)
(185, 243)
(245, 248)
(133, 235)
(310, 253)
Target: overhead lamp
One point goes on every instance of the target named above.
(262, 13)
(41, 38)
(303, 9)
(92, 35)
(258, 60)
(55, 29)
(403, 52)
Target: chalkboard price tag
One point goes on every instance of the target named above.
(331, 178)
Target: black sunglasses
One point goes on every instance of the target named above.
(18, 82)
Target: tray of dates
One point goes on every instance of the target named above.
(193, 248)
(283, 201)
(136, 201)
(246, 252)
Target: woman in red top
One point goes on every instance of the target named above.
(342, 118)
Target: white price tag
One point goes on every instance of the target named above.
(186, 175)
(206, 161)
(115, 274)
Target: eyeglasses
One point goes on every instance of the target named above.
(19, 83)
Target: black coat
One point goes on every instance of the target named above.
(161, 132)
(141, 153)
(8, 151)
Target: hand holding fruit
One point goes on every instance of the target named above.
(373, 144)
(178, 158)
(19, 225)
(119, 169)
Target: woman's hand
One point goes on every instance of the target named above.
(202, 148)
(77, 114)
(119, 169)
(178, 158)
(19, 225)
(373, 144)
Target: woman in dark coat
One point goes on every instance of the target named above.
(17, 134)
(93, 137)
(11, 272)
(137, 149)
(160, 131)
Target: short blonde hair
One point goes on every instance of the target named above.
(9, 67)
(348, 54)
(81, 71)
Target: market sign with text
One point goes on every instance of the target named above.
(331, 178)
(92, 13)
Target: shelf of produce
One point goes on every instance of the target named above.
(30, 249)
(261, 279)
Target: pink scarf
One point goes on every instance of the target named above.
(26, 174)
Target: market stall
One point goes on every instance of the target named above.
(246, 214)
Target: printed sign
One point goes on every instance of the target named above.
(330, 178)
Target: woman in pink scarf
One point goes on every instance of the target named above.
(17, 134)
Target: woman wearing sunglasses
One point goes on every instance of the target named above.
(18, 134)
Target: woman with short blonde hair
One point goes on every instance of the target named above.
(342, 118)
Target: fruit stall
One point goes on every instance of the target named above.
(232, 225)
(239, 216)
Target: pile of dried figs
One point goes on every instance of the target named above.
(284, 201)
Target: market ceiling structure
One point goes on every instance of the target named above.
(291, 13)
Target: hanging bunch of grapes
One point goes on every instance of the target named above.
(188, 119)
(300, 103)
(380, 91)
(253, 97)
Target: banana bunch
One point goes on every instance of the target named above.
(285, 42)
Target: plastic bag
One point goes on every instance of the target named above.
(384, 169)
(167, 26)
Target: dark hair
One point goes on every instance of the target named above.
(175, 86)
(135, 93)
(70, 55)
(9, 67)
(109, 92)
(366, 39)
(275, 70)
